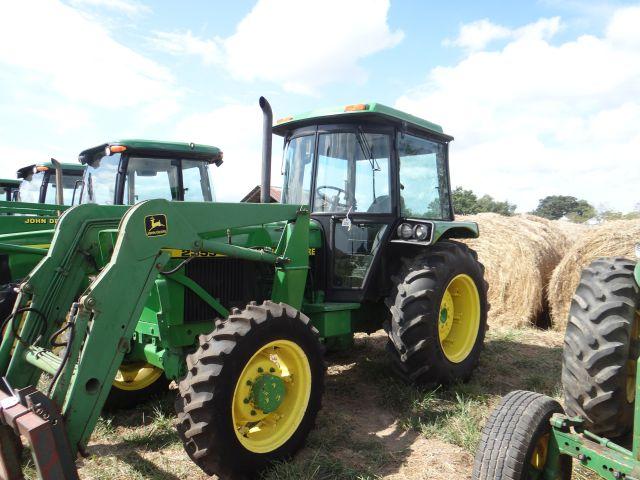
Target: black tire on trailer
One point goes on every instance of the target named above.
(433, 337)
(598, 364)
(252, 392)
(515, 439)
(135, 383)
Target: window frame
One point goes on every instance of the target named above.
(121, 176)
(431, 138)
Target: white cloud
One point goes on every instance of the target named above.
(176, 43)
(237, 130)
(66, 53)
(479, 34)
(536, 118)
(296, 44)
(128, 7)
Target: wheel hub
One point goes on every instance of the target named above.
(268, 393)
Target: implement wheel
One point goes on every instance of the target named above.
(134, 384)
(515, 442)
(598, 361)
(252, 392)
(438, 315)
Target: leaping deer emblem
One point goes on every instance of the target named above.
(155, 224)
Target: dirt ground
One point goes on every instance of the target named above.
(371, 425)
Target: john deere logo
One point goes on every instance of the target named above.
(155, 225)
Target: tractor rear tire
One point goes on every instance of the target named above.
(438, 315)
(598, 363)
(225, 419)
(515, 439)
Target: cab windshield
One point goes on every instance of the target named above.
(41, 187)
(147, 178)
(352, 172)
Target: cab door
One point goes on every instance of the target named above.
(352, 200)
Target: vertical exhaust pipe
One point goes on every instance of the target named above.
(59, 191)
(267, 124)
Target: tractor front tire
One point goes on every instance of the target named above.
(252, 392)
(135, 383)
(515, 441)
(598, 363)
(438, 315)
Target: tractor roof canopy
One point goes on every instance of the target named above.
(68, 168)
(9, 182)
(359, 112)
(153, 148)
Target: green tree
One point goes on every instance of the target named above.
(554, 207)
(465, 202)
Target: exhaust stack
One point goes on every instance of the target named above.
(267, 123)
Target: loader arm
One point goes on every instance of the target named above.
(104, 314)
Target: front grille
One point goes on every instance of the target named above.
(234, 282)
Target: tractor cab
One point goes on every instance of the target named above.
(130, 171)
(9, 189)
(39, 183)
(373, 177)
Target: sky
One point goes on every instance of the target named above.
(542, 97)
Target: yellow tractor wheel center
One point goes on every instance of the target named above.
(459, 318)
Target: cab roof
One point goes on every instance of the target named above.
(357, 112)
(155, 148)
(66, 167)
(6, 182)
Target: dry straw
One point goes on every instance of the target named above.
(608, 240)
(519, 254)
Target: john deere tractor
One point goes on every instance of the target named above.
(530, 436)
(234, 301)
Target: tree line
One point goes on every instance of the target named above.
(553, 207)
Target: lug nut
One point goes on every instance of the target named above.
(246, 400)
(249, 383)
(582, 457)
(260, 370)
(253, 412)
(272, 370)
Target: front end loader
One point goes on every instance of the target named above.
(236, 303)
(530, 436)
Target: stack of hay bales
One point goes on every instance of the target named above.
(610, 239)
(519, 254)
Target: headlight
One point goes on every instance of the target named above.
(637, 250)
(421, 232)
(405, 231)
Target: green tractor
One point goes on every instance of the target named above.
(234, 301)
(530, 436)
(115, 173)
(10, 189)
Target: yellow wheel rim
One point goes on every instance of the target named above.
(632, 363)
(271, 396)
(136, 376)
(540, 452)
(459, 318)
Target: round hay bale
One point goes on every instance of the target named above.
(611, 239)
(519, 254)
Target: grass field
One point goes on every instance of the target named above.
(371, 426)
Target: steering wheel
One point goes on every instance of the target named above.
(334, 201)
